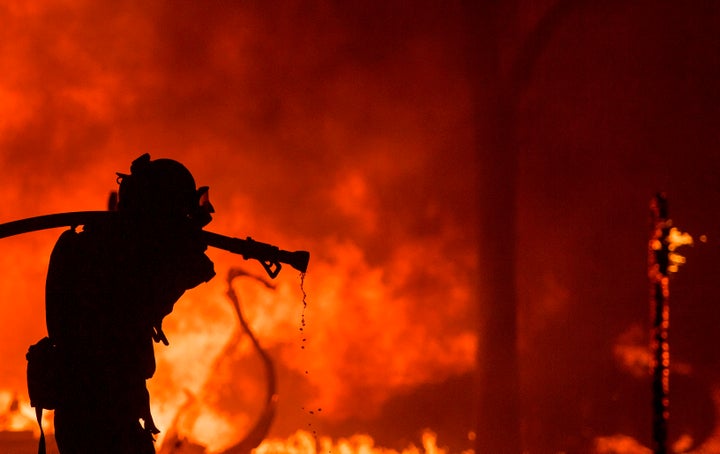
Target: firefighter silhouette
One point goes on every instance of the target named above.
(108, 289)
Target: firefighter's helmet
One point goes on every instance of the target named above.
(162, 187)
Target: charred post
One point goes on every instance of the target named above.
(658, 273)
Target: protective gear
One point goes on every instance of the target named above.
(163, 188)
(108, 288)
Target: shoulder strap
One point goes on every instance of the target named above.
(38, 415)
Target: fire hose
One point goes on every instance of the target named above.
(175, 442)
(270, 257)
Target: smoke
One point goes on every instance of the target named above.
(338, 127)
(346, 128)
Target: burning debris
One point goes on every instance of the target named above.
(662, 261)
(653, 361)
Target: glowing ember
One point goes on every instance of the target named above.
(677, 239)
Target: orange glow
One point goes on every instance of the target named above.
(356, 130)
(304, 443)
(86, 88)
(620, 444)
(17, 414)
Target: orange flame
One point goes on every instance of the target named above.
(303, 442)
(86, 88)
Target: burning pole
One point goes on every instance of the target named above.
(658, 269)
(662, 261)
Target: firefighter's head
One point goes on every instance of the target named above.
(163, 188)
